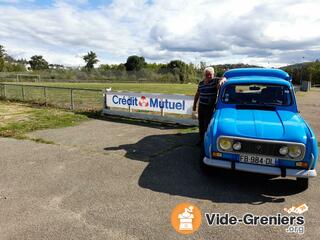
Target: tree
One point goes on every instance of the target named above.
(314, 71)
(90, 59)
(2, 56)
(120, 67)
(203, 65)
(1, 64)
(178, 67)
(37, 62)
(13, 67)
(104, 67)
(2, 52)
(135, 63)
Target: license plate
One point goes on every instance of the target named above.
(258, 160)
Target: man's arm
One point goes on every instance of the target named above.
(196, 97)
(221, 82)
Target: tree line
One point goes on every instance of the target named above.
(137, 69)
(307, 71)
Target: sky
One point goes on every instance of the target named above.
(268, 33)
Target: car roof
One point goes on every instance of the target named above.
(263, 72)
(258, 80)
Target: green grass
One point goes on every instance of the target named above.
(169, 88)
(189, 130)
(17, 119)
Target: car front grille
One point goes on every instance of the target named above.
(261, 148)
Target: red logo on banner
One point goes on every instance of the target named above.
(143, 102)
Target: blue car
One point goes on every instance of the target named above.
(257, 127)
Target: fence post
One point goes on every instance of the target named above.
(71, 100)
(4, 90)
(105, 103)
(45, 95)
(22, 91)
(162, 112)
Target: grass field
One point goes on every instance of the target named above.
(188, 89)
(17, 119)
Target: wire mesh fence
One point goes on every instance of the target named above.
(68, 98)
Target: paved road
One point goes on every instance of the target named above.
(120, 180)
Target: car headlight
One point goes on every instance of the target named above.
(225, 144)
(284, 150)
(237, 146)
(295, 151)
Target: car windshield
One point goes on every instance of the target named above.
(260, 94)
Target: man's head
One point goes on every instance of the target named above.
(208, 73)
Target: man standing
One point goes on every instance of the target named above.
(207, 96)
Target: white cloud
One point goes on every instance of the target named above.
(278, 32)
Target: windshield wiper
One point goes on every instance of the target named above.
(257, 104)
(270, 104)
(244, 103)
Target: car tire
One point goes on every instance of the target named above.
(303, 183)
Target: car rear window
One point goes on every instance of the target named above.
(257, 94)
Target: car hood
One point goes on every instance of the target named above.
(263, 124)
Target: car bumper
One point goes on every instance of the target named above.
(301, 173)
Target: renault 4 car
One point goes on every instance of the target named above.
(257, 127)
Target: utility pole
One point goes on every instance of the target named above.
(301, 71)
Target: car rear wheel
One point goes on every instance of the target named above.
(303, 183)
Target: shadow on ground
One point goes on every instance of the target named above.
(174, 169)
(132, 121)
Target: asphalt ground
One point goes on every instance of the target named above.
(114, 179)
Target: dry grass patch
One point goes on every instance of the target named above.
(17, 119)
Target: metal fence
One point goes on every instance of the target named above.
(69, 98)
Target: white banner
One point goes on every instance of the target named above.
(170, 103)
